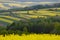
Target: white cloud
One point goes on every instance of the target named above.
(17, 5)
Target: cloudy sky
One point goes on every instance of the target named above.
(29, 0)
(23, 3)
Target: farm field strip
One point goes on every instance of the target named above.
(5, 20)
(13, 18)
(2, 17)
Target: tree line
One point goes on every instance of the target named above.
(49, 25)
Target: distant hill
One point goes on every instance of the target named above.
(14, 6)
(40, 6)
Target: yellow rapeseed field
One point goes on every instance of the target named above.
(31, 37)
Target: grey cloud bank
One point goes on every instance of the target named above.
(29, 0)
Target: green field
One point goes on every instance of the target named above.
(7, 18)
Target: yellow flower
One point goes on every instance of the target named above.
(31, 37)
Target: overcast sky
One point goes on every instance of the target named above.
(29, 0)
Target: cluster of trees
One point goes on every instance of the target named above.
(49, 25)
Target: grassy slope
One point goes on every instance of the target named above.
(6, 19)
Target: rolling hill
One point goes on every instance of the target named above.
(6, 18)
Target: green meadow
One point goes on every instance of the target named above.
(7, 18)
